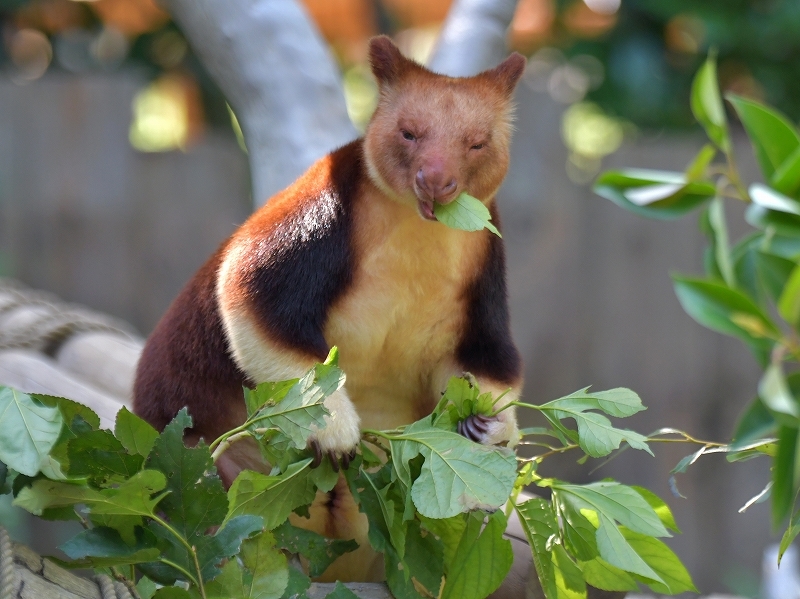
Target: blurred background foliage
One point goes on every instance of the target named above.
(607, 58)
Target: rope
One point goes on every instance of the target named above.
(7, 574)
(110, 589)
(36, 320)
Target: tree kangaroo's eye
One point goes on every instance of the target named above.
(477, 147)
(407, 135)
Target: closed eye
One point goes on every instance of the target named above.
(407, 135)
(477, 147)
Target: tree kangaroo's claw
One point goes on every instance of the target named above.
(475, 427)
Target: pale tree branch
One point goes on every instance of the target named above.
(278, 76)
(473, 37)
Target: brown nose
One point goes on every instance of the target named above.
(437, 185)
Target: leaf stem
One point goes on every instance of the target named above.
(223, 446)
(192, 552)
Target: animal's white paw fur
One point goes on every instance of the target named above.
(342, 432)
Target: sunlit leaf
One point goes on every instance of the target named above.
(28, 431)
(674, 576)
(784, 475)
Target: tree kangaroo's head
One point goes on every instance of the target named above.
(433, 137)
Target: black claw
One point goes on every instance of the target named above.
(317, 454)
(346, 461)
(474, 427)
(334, 460)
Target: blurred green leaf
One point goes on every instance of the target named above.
(716, 219)
(655, 194)
(725, 310)
(773, 137)
(755, 423)
(784, 475)
(777, 396)
(789, 301)
(787, 176)
(696, 170)
(789, 535)
(707, 104)
(768, 198)
(773, 221)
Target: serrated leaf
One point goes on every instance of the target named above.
(103, 547)
(135, 435)
(300, 411)
(466, 213)
(773, 137)
(707, 105)
(457, 475)
(131, 498)
(271, 497)
(673, 574)
(267, 392)
(197, 499)
(28, 431)
(482, 559)
(99, 456)
(318, 550)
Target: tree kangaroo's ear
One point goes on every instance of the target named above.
(507, 73)
(388, 63)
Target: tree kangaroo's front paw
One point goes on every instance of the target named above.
(489, 430)
(341, 435)
(334, 457)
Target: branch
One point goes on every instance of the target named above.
(279, 78)
(473, 37)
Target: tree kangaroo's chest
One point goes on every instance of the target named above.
(399, 324)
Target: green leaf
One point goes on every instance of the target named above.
(103, 547)
(465, 213)
(707, 105)
(616, 550)
(99, 456)
(789, 535)
(29, 431)
(341, 592)
(131, 498)
(596, 435)
(770, 199)
(778, 397)
(540, 526)
(146, 588)
(384, 513)
(579, 534)
(482, 559)
(784, 475)
(267, 392)
(773, 137)
(774, 221)
(659, 507)
(599, 573)
(698, 167)
(300, 411)
(450, 531)
(789, 301)
(423, 558)
(726, 310)
(318, 550)
(787, 176)
(716, 218)
(616, 501)
(135, 435)
(197, 499)
(773, 273)
(271, 497)
(673, 574)
(654, 194)
(172, 593)
(70, 409)
(457, 475)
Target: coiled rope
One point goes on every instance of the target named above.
(7, 574)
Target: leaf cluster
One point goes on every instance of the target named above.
(751, 288)
(155, 510)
